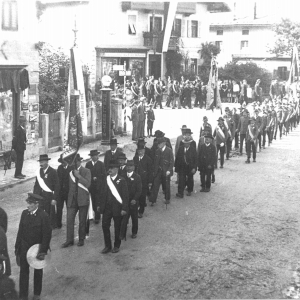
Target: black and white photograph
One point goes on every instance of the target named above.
(149, 150)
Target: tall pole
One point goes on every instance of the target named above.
(125, 125)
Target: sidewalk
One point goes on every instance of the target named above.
(31, 166)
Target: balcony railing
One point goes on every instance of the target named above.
(154, 41)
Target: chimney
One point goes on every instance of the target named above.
(255, 17)
(234, 11)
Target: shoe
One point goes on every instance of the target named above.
(80, 243)
(59, 227)
(133, 236)
(152, 204)
(189, 194)
(254, 160)
(213, 179)
(167, 202)
(202, 190)
(221, 167)
(140, 215)
(19, 177)
(115, 250)
(179, 195)
(23, 175)
(106, 250)
(96, 221)
(247, 161)
(207, 190)
(67, 244)
(264, 147)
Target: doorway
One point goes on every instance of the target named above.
(155, 65)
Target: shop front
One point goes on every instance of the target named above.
(133, 59)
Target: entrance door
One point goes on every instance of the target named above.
(155, 65)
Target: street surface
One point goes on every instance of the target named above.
(241, 240)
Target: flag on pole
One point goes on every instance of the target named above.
(294, 72)
(213, 94)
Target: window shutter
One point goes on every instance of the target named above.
(199, 28)
(188, 25)
(183, 28)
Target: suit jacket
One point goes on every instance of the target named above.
(258, 122)
(231, 127)
(243, 125)
(134, 114)
(33, 229)
(109, 156)
(98, 172)
(206, 156)
(122, 172)
(218, 138)
(51, 180)
(144, 168)
(150, 116)
(141, 113)
(134, 185)
(163, 160)
(168, 143)
(148, 152)
(82, 195)
(254, 132)
(19, 140)
(63, 179)
(110, 202)
(188, 162)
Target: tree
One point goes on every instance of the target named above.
(207, 50)
(287, 35)
(173, 64)
(249, 71)
(53, 86)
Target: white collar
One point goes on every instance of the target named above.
(79, 168)
(33, 212)
(93, 162)
(186, 149)
(141, 157)
(45, 170)
(163, 149)
(129, 174)
(122, 167)
(113, 151)
(114, 177)
(207, 144)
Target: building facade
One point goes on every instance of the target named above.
(18, 58)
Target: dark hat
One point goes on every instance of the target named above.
(209, 135)
(188, 130)
(94, 152)
(34, 198)
(122, 155)
(141, 141)
(226, 108)
(183, 127)
(220, 119)
(140, 147)
(113, 164)
(60, 158)
(256, 110)
(205, 117)
(78, 157)
(159, 133)
(161, 140)
(22, 118)
(44, 157)
(130, 163)
(113, 142)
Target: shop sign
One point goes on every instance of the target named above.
(123, 54)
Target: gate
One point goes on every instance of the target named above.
(54, 130)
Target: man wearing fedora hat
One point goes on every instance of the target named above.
(180, 138)
(98, 175)
(205, 126)
(160, 134)
(148, 152)
(134, 119)
(19, 145)
(34, 228)
(78, 200)
(206, 161)
(47, 186)
(134, 184)
(114, 206)
(186, 166)
(163, 171)
(113, 153)
(63, 172)
(141, 118)
(221, 136)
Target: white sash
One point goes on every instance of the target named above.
(79, 184)
(250, 132)
(113, 189)
(42, 183)
(132, 89)
(227, 127)
(90, 210)
(156, 90)
(220, 133)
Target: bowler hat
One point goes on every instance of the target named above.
(220, 119)
(34, 198)
(113, 164)
(78, 157)
(161, 140)
(130, 163)
(141, 141)
(209, 135)
(113, 142)
(122, 156)
(44, 157)
(158, 133)
(183, 127)
(94, 152)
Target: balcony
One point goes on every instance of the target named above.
(154, 41)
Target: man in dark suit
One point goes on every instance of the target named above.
(186, 166)
(122, 165)
(19, 145)
(98, 174)
(63, 172)
(163, 171)
(159, 134)
(47, 186)
(113, 153)
(148, 152)
(143, 167)
(114, 206)
(134, 184)
(34, 229)
(78, 200)
(142, 117)
(206, 161)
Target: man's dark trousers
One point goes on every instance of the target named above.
(106, 222)
(165, 182)
(222, 153)
(228, 147)
(206, 182)
(236, 140)
(19, 162)
(94, 195)
(250, 145)
(242, 138)
(60, 206)
(133, 213)
(24, 275)
(185, 178)
(142, 199)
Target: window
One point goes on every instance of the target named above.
(176, 31)
(131, 24)
(194, 28)
(282, 73)
(157, 26)
(220, 32)
(9, 15)
(194, 65)
(244, 44)
(219, 44)
(245, 32)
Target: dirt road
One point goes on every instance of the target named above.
(241, 240)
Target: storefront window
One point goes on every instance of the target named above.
(107, 67)
(6, 121)
(137, 68)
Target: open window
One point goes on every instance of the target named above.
(132, 24)
(9, 15)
